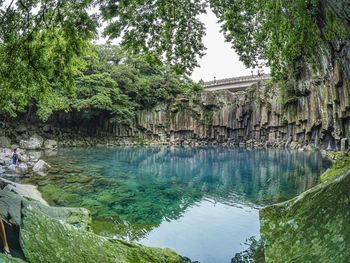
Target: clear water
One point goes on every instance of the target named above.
(201, 202)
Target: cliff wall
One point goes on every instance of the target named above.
(320, 118)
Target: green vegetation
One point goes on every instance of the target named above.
(41, 48)
(44, 47)
(115, 85)
(169, 28)
(282, 34)
(341, 163)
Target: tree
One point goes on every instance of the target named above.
(41, 45)
(282, 34)
(165, 28)
(115, 85)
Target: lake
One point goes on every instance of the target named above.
(201, 202)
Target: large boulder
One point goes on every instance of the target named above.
(313, 227)
(46, 239)
(41, 168)
(5, 156)
(35, 142)
(5, 142)
(34, 156)
(50, 144)
(24, 190)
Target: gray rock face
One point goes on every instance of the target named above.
(24, 190)
(343, 144)
(21, 128)
(41, 168)
(5, 142)
(320, 118)
(35, 142)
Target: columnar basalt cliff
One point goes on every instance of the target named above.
(257, 116)
(320, 118)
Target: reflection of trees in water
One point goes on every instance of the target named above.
(257, 175)
(141, 187)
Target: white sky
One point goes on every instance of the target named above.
(220, 60)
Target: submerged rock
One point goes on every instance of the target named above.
(313, 227)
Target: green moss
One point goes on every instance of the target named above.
(46, 239)
(313, 227)
(5, 259)
(340, 165)
(106, 197)
(50, 193)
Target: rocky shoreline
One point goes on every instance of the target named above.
(58, 234)
(32, 149)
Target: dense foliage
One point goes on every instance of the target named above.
(44, 43)
(116, 85)
(169, 28)
(283, 34)
(286, 35)
(41, 45)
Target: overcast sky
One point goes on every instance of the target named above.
(221, 60)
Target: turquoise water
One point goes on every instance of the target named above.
(201, 202)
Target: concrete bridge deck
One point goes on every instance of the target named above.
(235, 84)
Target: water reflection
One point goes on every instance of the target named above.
(160, 195)
(259, 176)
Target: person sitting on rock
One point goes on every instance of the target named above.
(4, 239)
(15, 158)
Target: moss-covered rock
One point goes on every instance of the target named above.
(46, 239)
(313, 227)
(5, 259)
(52, 234)
(341, 163)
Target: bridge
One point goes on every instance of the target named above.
(235, 84)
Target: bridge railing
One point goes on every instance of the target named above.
(236, 80)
